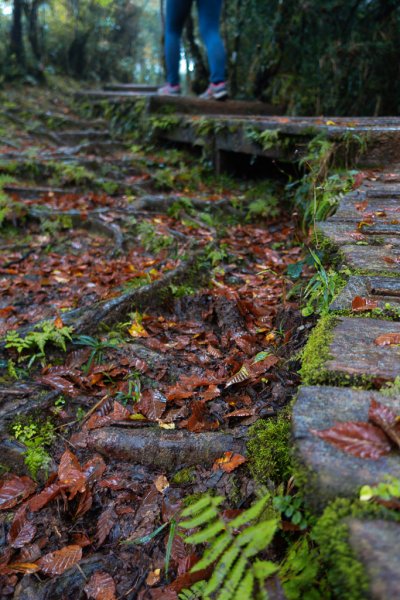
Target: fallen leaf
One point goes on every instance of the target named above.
(152, 404)
(104, 524)
(161, 483)
(14, 489)
(386, 419)
(56, 563)
(388, 339)
(101, 586)
(360, 439)
(153, 577)
(229, 462)
(70, 474)
(360, 304)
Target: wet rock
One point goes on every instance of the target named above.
(331, 472)
(353, 350)
(375, 543)
(382, 290)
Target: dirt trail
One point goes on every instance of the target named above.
(167, 288)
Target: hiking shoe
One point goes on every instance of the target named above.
(169, 90)
(215, 91)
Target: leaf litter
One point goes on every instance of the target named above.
(206, 361)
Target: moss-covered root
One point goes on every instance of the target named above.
(345, 573)
(316, 352)
(268, 449)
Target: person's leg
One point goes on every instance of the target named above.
(209, 17)
(176, 14)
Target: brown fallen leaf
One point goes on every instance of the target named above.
(360, 304)
(101, 586)
(56, 563)
(387, 339)
(360, 439)
(14, 489)
(386, 419)
(229, 462)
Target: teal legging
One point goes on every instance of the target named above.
(209, 16)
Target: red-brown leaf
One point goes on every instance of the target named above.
(56, 563)
(229, 462)
(387, 339)
(360, 304)
(360, 439)
(70, 474)
(386, 419)
(21, 531)
(152, 404)
(14, 489)
(49, 493)
(105, 524)
(101, 586)
(94, 468)
(60, 384)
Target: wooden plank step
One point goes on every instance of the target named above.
(130, 87)
(373, 259)
(331, 472)
(374, 544)
(382, 290)
(354, 352)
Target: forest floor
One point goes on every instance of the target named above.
(153, 326)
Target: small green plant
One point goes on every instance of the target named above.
(387, 491)
(391, 388)
(98, 348)
(266, 139)
(319, 191)
(180, 291)
(5, 200)
(43, 333)
(183, 205)
(292, 508)
(163, 123)
(263, 207)
(216, 254)
(321, 289)
(235, 547)
(54, 224)
(132, 394)
(151, 239)
(36, 437)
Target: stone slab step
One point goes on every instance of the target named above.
(373, 259)
(353, 350)
(342, 233)
(331, 472)
(375, 544)
(384, 209)
(382, 290)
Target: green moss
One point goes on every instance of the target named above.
(268, 449)
(345, 573)
(391, 389)
(184, 476)
(316, 351)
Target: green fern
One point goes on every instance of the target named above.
(38, 339)
(238, 573)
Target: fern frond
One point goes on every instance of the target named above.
(207, 534)
(222, 569)
(198, 506)
(214, 552)
(251, 514)
(202, 518)
(196, 592)
(236, 573)
(233, 579)
(245, 589)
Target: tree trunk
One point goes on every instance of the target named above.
(16, 38)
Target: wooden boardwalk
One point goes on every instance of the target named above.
(365, 232)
